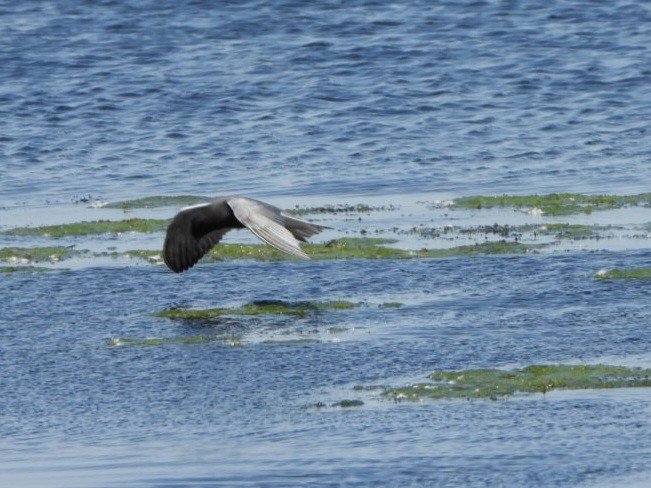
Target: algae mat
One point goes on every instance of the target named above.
(457, 228)
(91, 228)
(262, 307)
(496, 383)
(555, 203)
(624, 274)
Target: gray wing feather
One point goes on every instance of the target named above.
(266, 222)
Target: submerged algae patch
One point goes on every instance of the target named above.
(24, 269)
(258, 252)
(339, 209)
(348, 403)
(624, 274)
(484, 248)
(265, 307)
(346, 248)
(37, 254)
(91, 228)
(371, 248)
(495, 383)
(555, 203)
(360, 248)
(356, 248)
(571, 231)
(159, 201)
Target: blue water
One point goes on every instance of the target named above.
(114, 99)
(325, 101)
(79, 413)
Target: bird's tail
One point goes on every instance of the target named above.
(301, 229)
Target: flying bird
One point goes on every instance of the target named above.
(196, 229)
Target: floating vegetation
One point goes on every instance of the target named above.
(348, 403)
(24, 269)
(355, 248)
(159, 201)
(484, 248)
(340, 404)
(340, 209)
(258, 252)
(37, 254)
(520, 232)
(263, 307)
(346, 248)
(569, 231)
(495, 383)
(495, 239)
(624, 274)
(179, 340)
(362, 248)
(336, 330)
(91, 228)
(554, 204)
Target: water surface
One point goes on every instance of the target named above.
(373, 102)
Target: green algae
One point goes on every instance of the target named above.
(24, 269)
(356, 248)
(266, 307)
(362, 248)
(346, 248)
(37, 254)
(336, 330)
(569, 231)
(519, 232)
(555, 203)
(374, 249)
(495, 383)
(624, 274)
(340, 209)
(159, 201)
(91, 228)
(484, 248)
(257, 252)
(348, 403)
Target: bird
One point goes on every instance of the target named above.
(196, 229)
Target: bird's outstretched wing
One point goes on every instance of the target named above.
(266, 222)
(184, 245)
(196, 229)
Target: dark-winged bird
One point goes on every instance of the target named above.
(195, 230)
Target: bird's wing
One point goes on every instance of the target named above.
(183, 247)
(265, 221)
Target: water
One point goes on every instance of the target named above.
(278, 98)
(378, 102)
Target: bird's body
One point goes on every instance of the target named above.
(195, 230)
